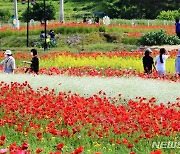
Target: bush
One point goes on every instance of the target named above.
(103, 28)
(111, 37)
(5, 15)
(158, 38)
(169, 15)
(41, 43)
(129, 40)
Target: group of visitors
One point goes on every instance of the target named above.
(160, 61)
(10, 66)
(51, 34)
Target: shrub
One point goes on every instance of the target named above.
(129, 40)
(103, 28)
(158, 38)
(169, 15)
(5, 15)
(111, 37)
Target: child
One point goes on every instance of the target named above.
(34, 63)
(148, 62)
(8, 62)
(177, 63)
(161, 61)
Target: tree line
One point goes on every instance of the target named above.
(138, 9)
(124, 9)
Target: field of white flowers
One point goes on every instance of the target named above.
(163, 91)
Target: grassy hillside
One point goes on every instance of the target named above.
(71, 8)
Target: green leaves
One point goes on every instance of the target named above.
(158, 38)
(37, 12)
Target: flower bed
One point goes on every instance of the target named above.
(119, 63)
(35, 121)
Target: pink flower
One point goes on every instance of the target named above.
(3, 151)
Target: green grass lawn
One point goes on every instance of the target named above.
(71, 8)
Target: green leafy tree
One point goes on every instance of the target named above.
(36, 12)
(169, 15)
(129, 9)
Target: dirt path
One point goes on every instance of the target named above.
(167, 47)
(157, 47)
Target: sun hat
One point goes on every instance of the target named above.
(8, 52)
(148, 50)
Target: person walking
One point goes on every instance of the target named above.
(161, 61)
(148, 61)
(177, 63)
(8, 62)
(34, 63)
(177, 25)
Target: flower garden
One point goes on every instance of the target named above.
(44, 120)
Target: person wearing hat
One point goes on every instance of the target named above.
(34, 63)
(148, 62)
(177, 63)
(8, 62)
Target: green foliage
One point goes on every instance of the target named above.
(103, 28)
(138, 9)
(14, 42)
(4, 15)
(169, 15)
(36, 12)
(158, 38)
(129, 40)
(41, 43)
(111, 37)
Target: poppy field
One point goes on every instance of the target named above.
(108, 64)
(68, 28)
(50, 120)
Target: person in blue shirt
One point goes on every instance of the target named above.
(177, 63)
(177, 24)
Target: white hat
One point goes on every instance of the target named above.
(148, 50)
(8, 52)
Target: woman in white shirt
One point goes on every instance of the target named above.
(161, 61)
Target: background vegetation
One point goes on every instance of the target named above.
(124, 9)
(92, 38)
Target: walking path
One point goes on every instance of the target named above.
(167, 47)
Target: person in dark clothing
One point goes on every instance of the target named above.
(148, 62)
(52, 35)
(177, 25)
(34, 63)
(42, 35)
